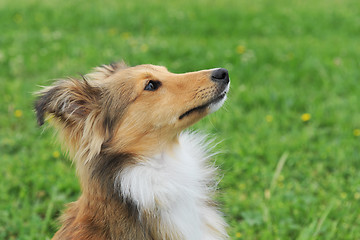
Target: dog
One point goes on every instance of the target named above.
(142, 176)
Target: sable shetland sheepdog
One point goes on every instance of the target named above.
(141, 176)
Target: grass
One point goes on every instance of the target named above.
(286, 175)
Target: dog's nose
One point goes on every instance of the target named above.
(220, 75)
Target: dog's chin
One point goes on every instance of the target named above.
(209, 107)
(216, 105)
(213, 107)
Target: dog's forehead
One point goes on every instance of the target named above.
(137, 75)
(151, 68)
(141, 72)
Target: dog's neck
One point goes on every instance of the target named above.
(173, 185)
(165, 196)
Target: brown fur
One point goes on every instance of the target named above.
(108, 121)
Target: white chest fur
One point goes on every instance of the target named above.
(176, 186)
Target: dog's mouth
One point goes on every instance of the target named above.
(204, 106)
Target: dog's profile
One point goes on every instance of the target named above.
(141, 176)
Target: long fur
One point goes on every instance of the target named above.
(141, 176)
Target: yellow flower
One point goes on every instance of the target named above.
(357, 195)
(18, 113)
(144, 48)
(306, 117)
(337, 61)
(242, 197)
(343, 195)
(240, 49)
(356, 132)
(112, 31)
(238, 235)
(18, 18)
(242, 186)
(290, 56)
(281, 178)
(56, 154)
(40, 194)
(269, 118)
(125, 35)
(267, 194)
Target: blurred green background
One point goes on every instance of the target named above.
(290, 128)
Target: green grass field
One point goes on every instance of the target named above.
(290, 128)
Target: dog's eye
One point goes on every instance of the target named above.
(152, 85)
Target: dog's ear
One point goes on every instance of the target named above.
(105, 71)
(68, 100)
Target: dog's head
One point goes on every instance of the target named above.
(130, 109)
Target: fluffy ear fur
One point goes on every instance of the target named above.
(70, 101)
(75, 106)
(78, 106)
(105, 71)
